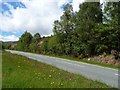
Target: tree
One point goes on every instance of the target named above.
(24, 41)
(33, 47)
(76, 31)
(88, 32)
(5, 45)
(63, 29)
(44, 46)
(37, 37)
(89, 15)
(112, 21)
(34, 44)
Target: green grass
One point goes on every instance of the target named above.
(0, 69)
(85, 61)
(22, 72)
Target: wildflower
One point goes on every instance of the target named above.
(49, 75)
(52, 82)
(61, 84)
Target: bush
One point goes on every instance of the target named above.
(100, 49)
(116, 54)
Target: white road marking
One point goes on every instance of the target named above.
(117, 74)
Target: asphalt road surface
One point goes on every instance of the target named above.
(106, 75)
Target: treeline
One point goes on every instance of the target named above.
(92, 30)
(29, 43)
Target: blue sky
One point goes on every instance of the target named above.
(17, 33)
(5, 8)
(31, 15)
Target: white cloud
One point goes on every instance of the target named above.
(76, 4)
(62, 2)
(38, 16)
(8, 38)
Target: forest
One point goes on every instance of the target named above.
(93, 30)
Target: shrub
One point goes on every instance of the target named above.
(116, 54)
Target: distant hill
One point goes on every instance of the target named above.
(0, 45)
(10, 42)
(7, 44)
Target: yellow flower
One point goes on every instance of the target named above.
(52, 82)
(61, 84)
(49, 75)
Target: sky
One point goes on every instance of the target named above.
(18, 16)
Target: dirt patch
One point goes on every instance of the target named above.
(106, 59)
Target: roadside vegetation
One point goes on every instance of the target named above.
(0, 69)
(22, 72)
(91, 34)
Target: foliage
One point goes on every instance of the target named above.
(5, 46)
(34, 47)
(24, 41)
(36, 37)
(75, 30)
(90, 31)
(44, 46)
(53, 45)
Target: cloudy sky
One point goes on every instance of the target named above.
(17, 16)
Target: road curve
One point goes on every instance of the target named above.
(106, 75)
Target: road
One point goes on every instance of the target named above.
(106, 75)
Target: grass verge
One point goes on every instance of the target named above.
(0, 69)
(81, 60)
(22, 72)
